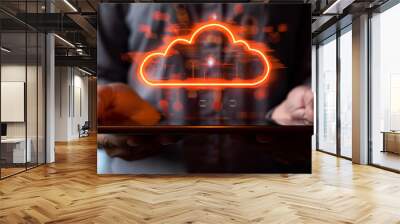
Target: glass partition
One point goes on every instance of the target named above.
(15, 151)
(327, 95)
(22, 90)
(41, 96)
(33, 64)
(31, 97)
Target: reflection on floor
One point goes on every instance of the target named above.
(10, 171)
(387, 159)
(70, 191)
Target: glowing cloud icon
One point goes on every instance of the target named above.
(209, 82)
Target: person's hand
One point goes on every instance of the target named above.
(117, 102)
(297, 108)
(134, 147)
(127, 147)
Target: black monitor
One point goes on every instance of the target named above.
(3, 129)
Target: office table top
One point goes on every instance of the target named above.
(390, 132)
(13, 140)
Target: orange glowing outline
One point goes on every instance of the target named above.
(183, 83)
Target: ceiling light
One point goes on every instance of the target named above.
(331, 7)
(337, 7)
(64, 40)
(70, 5)
(84, 71)
(5, 50)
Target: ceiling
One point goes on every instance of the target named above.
(76, 22)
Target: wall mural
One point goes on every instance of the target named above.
(204, 88)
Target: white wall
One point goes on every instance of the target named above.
(61, 103)
(12, 73)
(71, 102)
(33, 126)
(80, 110)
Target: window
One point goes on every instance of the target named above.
(346, 93)
(385, 89)
(327, 96)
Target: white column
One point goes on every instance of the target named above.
(360, 90)
(50, 98)
(50, 92)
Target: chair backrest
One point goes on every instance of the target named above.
(86, 125)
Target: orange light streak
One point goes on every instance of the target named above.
(210, 82)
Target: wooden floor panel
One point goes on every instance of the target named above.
(70, 191)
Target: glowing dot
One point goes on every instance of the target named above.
(163, 104)
(260, 94)
(210, 61)
(217, 105)
(178, 106)
(214, 16)
(282, 28)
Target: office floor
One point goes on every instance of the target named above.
(70, 191)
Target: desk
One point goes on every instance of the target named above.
(391, 141)
(13, 150)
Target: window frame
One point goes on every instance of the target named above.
(333, 37)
